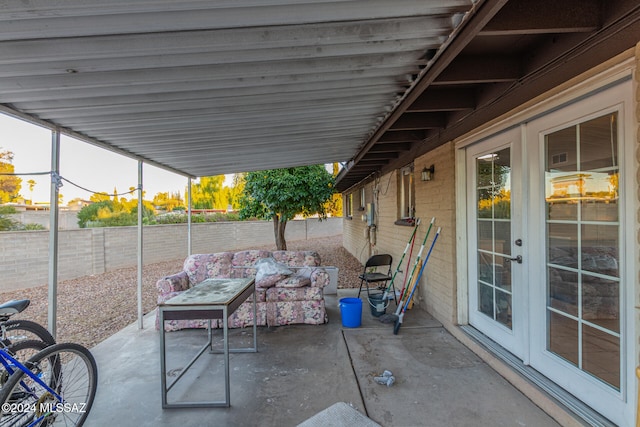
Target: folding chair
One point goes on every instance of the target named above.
(377, 262)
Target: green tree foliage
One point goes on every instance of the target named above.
(6, 222)
(168, 201)
(207, 194)
(281, 194)
(10, 185)
(110, 213)
(236, 190)
(334, 204)
(90, 212)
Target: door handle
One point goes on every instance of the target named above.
(517, 259)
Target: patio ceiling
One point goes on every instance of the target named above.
(206, 88)
(507, 53)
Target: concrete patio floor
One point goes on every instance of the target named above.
(300, 370)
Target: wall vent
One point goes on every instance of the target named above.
(559, 159)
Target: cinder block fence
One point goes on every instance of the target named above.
(24, 256)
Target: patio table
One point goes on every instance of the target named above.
(210, 299)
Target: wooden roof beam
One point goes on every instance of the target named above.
(413, 121)
(544, 17)
(480, 69)
(443, 99)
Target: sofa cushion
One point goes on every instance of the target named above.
(297, 258)
(295, 281)
(269, 272)
(244, 262)
(205, 266)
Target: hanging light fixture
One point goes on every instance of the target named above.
(427, 173)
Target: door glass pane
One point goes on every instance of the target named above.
(503, 273)
(583, 247)
(601, 302)
(563, 337)
(503, 308)
(600, 249)
(601, 355)
(563, 290)
(503, 237)
(485, 300)
(493, 202)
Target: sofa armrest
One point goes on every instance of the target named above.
(175, 283)
(319, 278)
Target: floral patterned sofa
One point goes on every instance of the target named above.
(296, 298)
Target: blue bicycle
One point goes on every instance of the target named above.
(54, 387)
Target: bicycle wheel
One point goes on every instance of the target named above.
(71, 372)
(22, 351)
(20, 330)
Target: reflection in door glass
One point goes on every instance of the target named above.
(493, 203)
(583, 247)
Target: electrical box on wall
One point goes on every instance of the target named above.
(370, 219)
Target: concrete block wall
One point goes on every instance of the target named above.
(24, 256)
(66, 220)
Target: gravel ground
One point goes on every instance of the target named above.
(92, 308)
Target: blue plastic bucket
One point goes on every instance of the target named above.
(351, 312)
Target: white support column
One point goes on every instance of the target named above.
(53, 233)
(189, 216)
(140, 264)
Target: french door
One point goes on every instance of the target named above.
(495, 240)
(551, 247)
(581, 310)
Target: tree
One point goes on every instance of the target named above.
(32, 184)
(10, 185)
(281, 194)
(207, 194)
(334, 204)
(167, 201)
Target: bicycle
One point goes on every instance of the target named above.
(12, 331)
(20, 338)
(55, 386)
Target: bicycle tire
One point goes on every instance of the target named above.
(22, 351)
(20, 330)
(75, 378)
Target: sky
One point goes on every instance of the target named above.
(86, 165)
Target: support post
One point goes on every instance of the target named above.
(52, 312)
(189, 216)
(140, 264)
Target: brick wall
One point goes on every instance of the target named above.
(434, 198)
(24, 256)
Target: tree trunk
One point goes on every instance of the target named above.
(278, 229)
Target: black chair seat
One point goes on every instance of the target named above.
(371, 275)
(374, 277)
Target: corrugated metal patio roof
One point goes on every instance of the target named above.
(206, 88)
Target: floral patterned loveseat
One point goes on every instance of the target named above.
(295, 298)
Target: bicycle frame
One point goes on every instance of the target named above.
(7, 361)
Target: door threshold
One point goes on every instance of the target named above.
(570, 403)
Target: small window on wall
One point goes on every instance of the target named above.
(406, 193)
(363, 199)
(349, 206)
